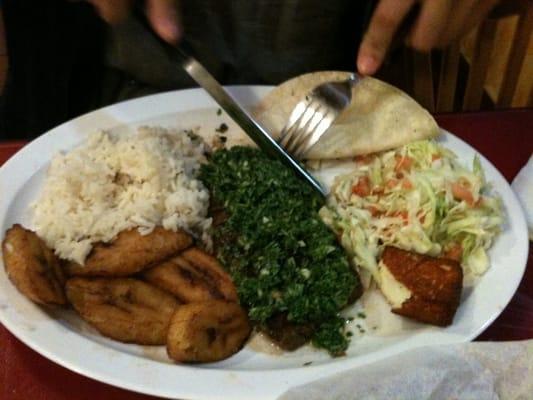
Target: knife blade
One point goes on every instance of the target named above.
(235, 111)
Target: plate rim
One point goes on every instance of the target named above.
(280, 375)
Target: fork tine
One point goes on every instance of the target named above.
(303, 135)
(295, 117)
(305, 126)
(299, 126)
(314, 135)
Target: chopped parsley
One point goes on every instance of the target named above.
(282, 257)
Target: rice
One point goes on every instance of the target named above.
(117, 182)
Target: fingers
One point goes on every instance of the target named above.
(456, 25)
(431, 22)
(164, 18)
(438, 23)
(477, 14)
(162, 15)
(112, 11)
(384, 23)
(466, 15)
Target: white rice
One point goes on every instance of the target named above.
(112, 183)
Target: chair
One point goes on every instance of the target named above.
(497, 57)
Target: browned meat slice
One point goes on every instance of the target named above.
(131, 252)
(287, 335)
(421, 287)
(208, 331)
(193, 276)
(123, 309)
(32, 266)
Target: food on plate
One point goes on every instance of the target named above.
(32, 266)
(379, 117)
(193, 276)
(417, 197)
(207, 331)
(281, 256)
(123, 309)
(420, 287)
(115, 182)
(131, 252)
(167, 243)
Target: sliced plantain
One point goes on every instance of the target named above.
(207, 332)
(33, 267)
(123, 309)
(193, 276)
(131, 252)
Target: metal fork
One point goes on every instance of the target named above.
(313, 115)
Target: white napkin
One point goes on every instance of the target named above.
(478, 370)
(523, 187)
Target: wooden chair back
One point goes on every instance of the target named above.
(436, 77)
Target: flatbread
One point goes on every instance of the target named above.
(380, 116)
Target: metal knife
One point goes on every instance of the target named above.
(250, 126)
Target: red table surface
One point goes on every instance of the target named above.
(504, 137)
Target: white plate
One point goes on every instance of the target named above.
(64, 339)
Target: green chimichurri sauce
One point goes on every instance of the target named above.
(282, 257)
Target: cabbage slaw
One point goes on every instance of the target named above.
(417, 197)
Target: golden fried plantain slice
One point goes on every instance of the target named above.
(123, 309)
(32, 266)
(193, 276)
(207, 332)
(130, 253)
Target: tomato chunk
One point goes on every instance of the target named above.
(364, 159)
(460, 192)
(362, 187)
(374, 211)
(391, 183)
(403, 163)
(406, 184)
(454, 252)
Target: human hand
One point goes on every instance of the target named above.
(438, 23)
(162, 15)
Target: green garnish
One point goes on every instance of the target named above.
(282, 257)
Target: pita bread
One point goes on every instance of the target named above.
(380, 116)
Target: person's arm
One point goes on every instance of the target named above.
(438, 23)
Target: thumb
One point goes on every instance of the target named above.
(112, 11)
(165, 19)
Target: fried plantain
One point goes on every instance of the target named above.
(207, 332)
(123, 309)
(131, 252)
(33, 267)
(193, 276)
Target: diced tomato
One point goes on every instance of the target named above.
(403, 163)
(391, 183)
(377, 190)
(406, 184)
(374, 211)
(364, 159)
(402, 214)
(362, 187)
(462, 193)
(454, 252)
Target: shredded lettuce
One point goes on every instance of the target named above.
(419, 198)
